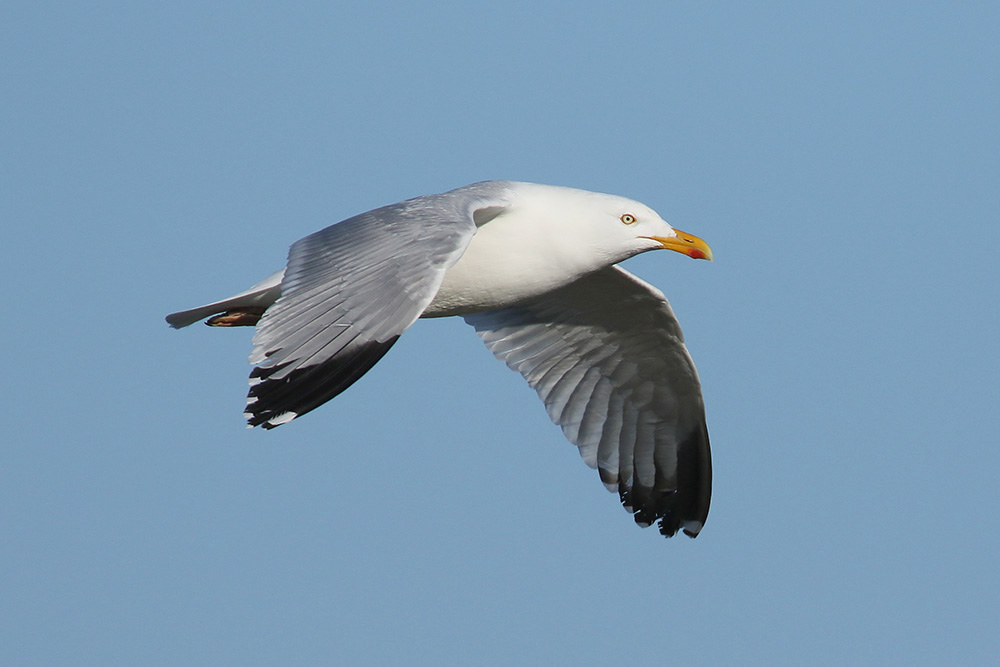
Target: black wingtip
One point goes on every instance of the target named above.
(272, 401)
(679, 504)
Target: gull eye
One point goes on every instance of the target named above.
(628, 219)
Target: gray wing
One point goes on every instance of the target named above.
(608, 360)
(348, 293)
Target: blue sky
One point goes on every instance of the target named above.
(842, 160)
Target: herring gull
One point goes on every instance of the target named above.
(533, 269)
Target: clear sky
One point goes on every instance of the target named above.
(842, 159)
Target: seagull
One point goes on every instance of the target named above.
(533, 268)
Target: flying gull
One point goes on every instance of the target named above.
(533, 269)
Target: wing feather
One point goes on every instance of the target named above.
(347, 294)
(608, 360)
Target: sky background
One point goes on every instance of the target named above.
(842, 159)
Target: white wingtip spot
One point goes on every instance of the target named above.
(283, 418)
(693, 527)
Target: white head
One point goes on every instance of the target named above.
(614, 227)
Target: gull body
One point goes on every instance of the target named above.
(548, 237)
(532, 268)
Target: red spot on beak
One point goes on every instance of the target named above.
(694, 253)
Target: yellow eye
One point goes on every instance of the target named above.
(628, 219)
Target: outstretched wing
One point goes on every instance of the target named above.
(607, 358)
(348, 293)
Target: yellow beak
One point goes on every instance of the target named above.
(685, 243)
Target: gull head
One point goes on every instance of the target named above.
(615, 227)
(642, 228)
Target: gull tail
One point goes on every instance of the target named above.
(244, 309)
